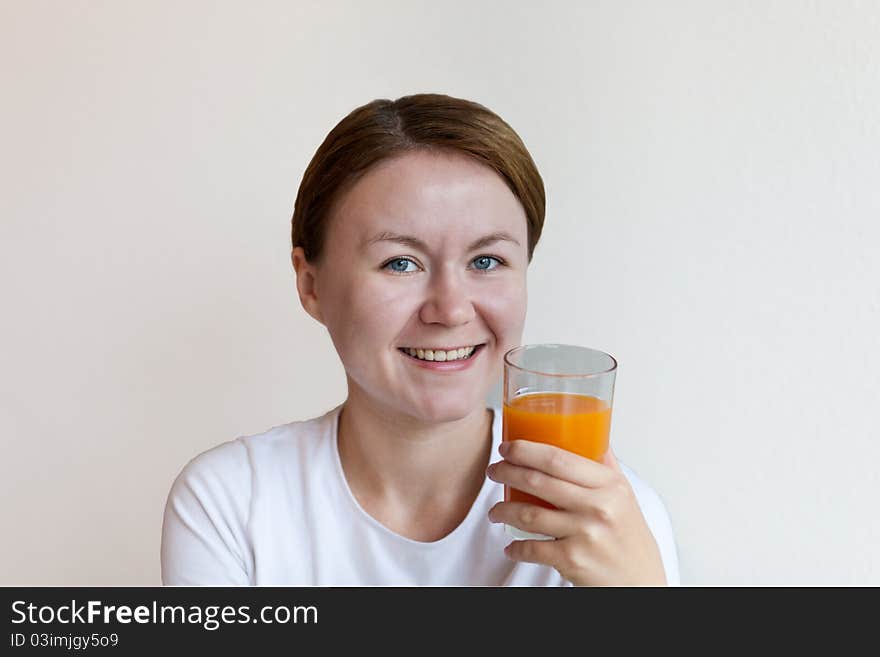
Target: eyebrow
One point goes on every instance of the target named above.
(416, 243)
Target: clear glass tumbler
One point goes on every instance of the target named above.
(561, 395)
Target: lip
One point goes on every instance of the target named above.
(444, 366)
(463, 346)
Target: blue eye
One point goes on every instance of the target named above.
(487, 258)
(397, 260)
(483, 259)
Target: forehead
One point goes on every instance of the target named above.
(436, 194)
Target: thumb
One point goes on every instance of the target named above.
(610, 459)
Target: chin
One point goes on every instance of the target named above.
(438, 411)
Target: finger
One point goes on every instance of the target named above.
(535, 551)
(535, 519)
(561, 494)
(559, 463)
(610, 459)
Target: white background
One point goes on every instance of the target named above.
(712, 175)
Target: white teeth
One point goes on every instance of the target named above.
(430, 354)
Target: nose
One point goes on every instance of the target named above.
(448, 300)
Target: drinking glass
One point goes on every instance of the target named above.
(561, 395)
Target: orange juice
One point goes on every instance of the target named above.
(577, 423)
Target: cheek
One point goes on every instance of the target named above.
(505, 308)
(505, 315)
(381, 302)
(367, 316)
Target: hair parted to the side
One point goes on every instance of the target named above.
(383, 129)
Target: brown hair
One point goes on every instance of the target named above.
(383, 129)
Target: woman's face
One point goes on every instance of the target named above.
(375, 297)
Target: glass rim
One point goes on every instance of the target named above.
(523, 347)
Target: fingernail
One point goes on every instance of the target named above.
(503, 447)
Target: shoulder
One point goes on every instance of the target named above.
(227, 470)
(649, 501)
(206, 515)
(213, 487)
(658, 519)
(231, 465)
(223, 466)
(206, 530)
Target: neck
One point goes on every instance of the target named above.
(410, 467)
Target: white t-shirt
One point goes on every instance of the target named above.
(275, 509)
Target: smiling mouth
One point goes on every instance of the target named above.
(476, 350)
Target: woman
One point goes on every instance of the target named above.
(413, 228)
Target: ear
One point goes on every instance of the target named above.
(306, 283)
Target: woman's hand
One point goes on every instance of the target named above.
(602, 538)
